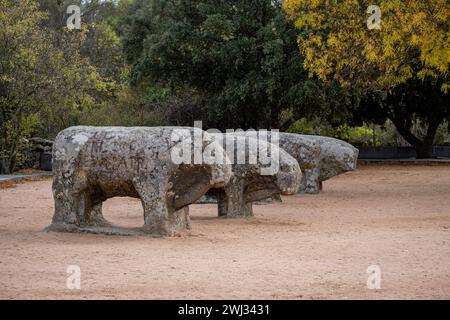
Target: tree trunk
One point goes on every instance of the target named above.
(5, 166)
(424, 149)
(274, 118)
(8, 165)
(12, 163)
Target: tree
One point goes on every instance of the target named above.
(401, 70)
(23, 45)
(38, 77)
(95, 54)
(239, 57)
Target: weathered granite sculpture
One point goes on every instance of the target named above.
(249, 183)
(320, 158)
(307, 153)
(336, 157)
(92, 164)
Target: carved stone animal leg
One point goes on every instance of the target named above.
(159, 218)
(247, 209)
(310, 181)
(72, 201)
(303, 182)
(95, 216)
(85, 209)
(179, 220)
(231, 202)
(222, 203)
(65, 208)
(71, 210)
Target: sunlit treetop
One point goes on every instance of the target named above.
(413, 42)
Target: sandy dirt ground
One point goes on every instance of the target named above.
(308, 247)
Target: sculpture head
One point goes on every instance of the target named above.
(216, 157)
(276, 172)
(337, 157)
(304, 149)
(289, 174)
(203, 164)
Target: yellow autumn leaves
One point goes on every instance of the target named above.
(414, 40)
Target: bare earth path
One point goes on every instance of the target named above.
(308, 247)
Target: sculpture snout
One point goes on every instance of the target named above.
(350, 158)
(221, 175)
(289, 175)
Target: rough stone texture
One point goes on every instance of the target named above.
(92, 164)
(248, 185)
(320, 158)
(307, 153)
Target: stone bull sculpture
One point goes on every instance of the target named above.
(254, 180)
(320, 158)
(93, 164)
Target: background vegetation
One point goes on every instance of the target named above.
(303, 66)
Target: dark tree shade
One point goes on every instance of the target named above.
(241, 57)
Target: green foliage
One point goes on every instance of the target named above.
(22, 53)
(130, 108)
(239, 57)
(313, 126)
(361, 136)
(48, 80)
(366, 135)
(80, 85)
(230, 63)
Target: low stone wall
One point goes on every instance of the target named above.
(39, 154)
(399, 152)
